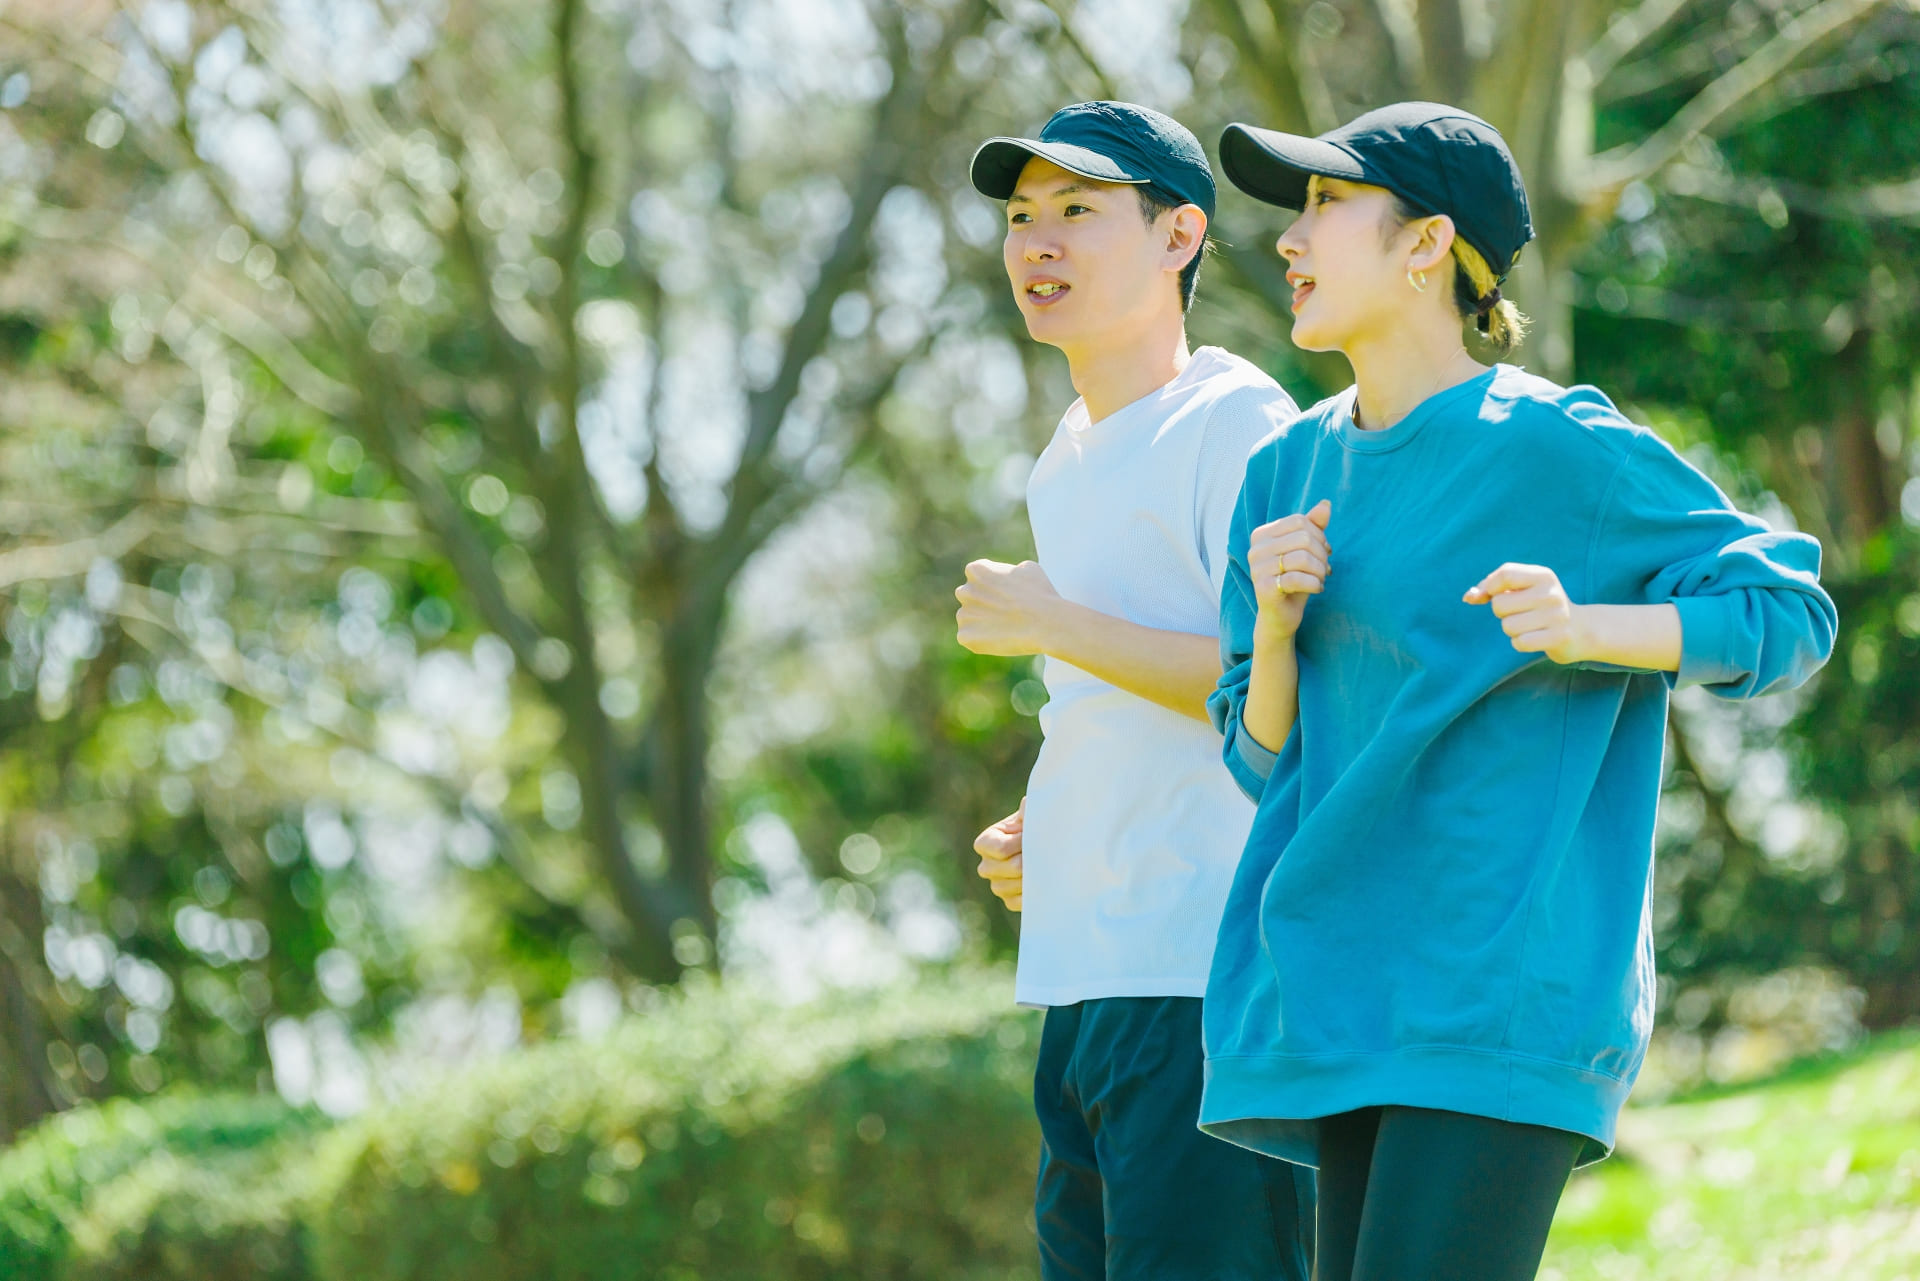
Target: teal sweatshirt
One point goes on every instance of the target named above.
(1445, 897)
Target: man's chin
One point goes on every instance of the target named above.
(1055, 330)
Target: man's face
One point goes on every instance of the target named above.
(1086, 266)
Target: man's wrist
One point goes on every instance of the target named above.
(1052, 627)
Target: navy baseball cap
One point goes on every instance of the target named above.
(1440, 159)
(1108, 141)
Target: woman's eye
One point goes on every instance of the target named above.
(1074, 209)
(1321, 198)
(1019, 218)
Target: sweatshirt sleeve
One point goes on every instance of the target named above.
(1249, 763)
(1753, 616)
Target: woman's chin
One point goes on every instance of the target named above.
(1309, 335)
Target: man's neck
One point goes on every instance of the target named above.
(1394, 372)
(1112, 375)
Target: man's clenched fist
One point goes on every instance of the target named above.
(999, 850)
(1005, 609)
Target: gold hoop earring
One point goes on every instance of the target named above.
(1419, 285)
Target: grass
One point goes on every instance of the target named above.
(1813, 1174)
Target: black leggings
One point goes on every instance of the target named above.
(1411, 1194)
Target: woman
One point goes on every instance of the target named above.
(1434, 979)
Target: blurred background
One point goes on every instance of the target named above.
(486, 777)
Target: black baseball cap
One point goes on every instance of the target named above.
(1440, 159)
(1108, 141)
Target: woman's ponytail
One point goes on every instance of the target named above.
(1476, 292)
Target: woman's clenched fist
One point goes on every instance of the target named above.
(1289, 560)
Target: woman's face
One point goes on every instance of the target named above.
(1347, 260)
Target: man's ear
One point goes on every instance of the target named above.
(1186, 231)
(1433, 244)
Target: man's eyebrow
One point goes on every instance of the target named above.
(1071, 189)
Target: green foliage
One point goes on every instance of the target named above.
(1813, 1175)
(1780, 322)
(66, 1189)
(883, 1135)
(719, 1136)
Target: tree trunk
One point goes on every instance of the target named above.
(25, 1095)
(591, 751)
(1861, 480)
(1545, 281)
(677, 778)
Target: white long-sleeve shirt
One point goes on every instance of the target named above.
(1133, 826)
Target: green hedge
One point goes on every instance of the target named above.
(720, 1137)
(67, 1190)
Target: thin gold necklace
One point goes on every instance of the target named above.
(1432, 391)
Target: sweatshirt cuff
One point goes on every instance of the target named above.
(1706, 641)
(1258, 760)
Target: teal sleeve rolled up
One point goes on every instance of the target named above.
(1753, 617)
(1248, 761)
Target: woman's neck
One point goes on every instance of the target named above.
(1394, 372)
(1111, 375)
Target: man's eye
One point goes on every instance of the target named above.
(1074, 209)
(1019, 218)
(1321, 198)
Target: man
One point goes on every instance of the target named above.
(1134, 827)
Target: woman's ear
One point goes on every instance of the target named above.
(1434, 241)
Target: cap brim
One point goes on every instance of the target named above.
(1275, 167)
(997, 164)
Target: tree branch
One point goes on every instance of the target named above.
(146, 607)
(65, 560)
(1626, 34)
(1891, 201)
(897, 120)
(1291, 54)
(1399, 31)
(1103, 83)
(1721, 100)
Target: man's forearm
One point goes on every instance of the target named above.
(1177, 670)
(1273, 689)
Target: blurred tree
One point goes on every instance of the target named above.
(1553, 76)
(394, 406)
(436, 258)
(484, 487)
(1766, 292)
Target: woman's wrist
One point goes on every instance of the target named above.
(1647, 637)
(1585, 635)
(1271, 630)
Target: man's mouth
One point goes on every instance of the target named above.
(1042, 293)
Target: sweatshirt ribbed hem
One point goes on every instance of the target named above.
(1272, 1103)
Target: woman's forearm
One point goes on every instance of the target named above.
(1273, 688)
(1177, 670)
(1646, 637)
